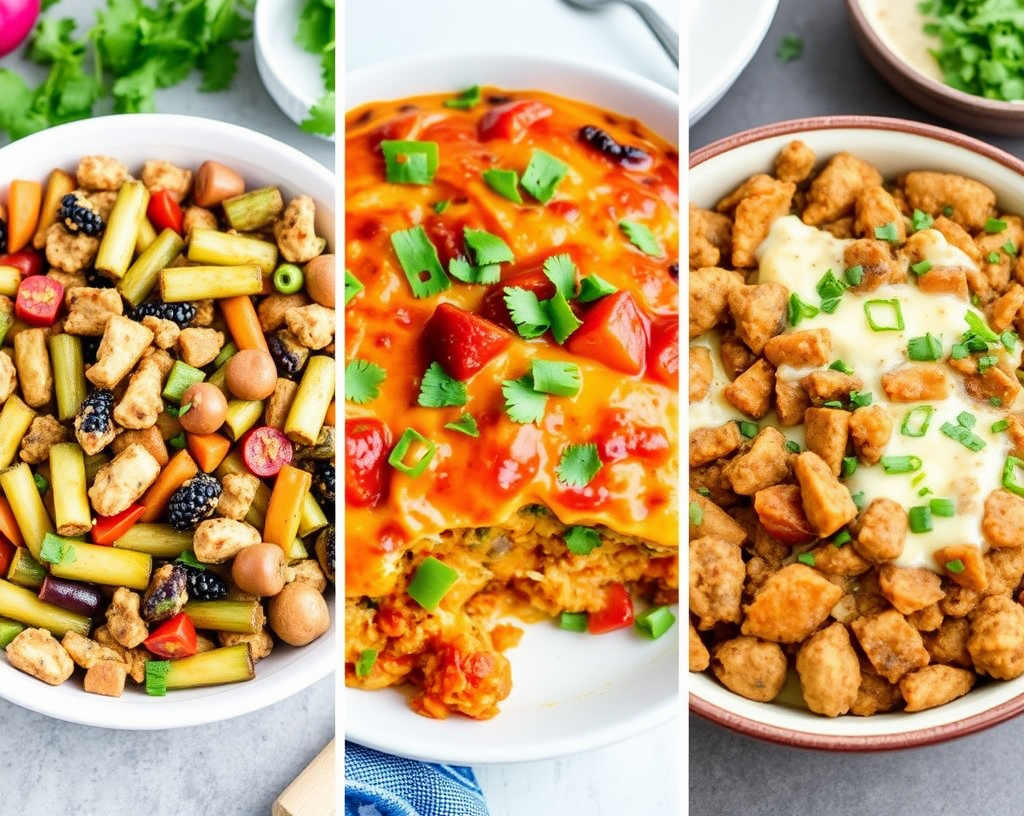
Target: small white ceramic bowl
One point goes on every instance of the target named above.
(893, 146)
(187, 141)
(569, 693)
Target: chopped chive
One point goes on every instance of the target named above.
(593, 287)
(830, 289)
(1009, 248)
(986, 362)
(884, 315)
(849, 466)
(924, 491)
(945, 508)
(696, 514)
(832, 404)
(967, 419)
(748, 429)
(839, 365)
(841, 538)
(956, 566)
(573, 621)
(854, 275)
(921, 220)
(948, 211)
(996, 401)
(858, 500)
(992, 257)
(916, 420)
(963, 435)
(901, 464)
(798, 309)
(792, 446)
(921, 267)
(1008, 339)
(704, 491)
(993, 225)
(980, 328)
(558, 377)
(1000, 425)
(654, 622)
(469, 98)
(442, 205)
(887, 232)
(364, 665)
(806, 558)
(920, 477)
(920, 518)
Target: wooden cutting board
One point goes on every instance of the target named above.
(311, 793)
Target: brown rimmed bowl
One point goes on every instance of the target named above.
(894, 146)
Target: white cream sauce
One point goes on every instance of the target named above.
(900, 26)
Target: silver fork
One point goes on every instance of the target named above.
(668, 38)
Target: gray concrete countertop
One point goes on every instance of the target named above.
(731, 774)
(233, 768)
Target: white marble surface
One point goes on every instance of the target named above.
(234, 768)
(642, 774)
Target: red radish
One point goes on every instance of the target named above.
(266, 450)
(39, 299)
(16, 20)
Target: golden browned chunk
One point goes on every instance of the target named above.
(734, 354)
(200, 346)
(197, 218)
(709, 444)
(934, 686)
(708, 519)
(834, 190)
(842, 560)
(308, 571)
(971, 201)
(1003, 520)
(870, 429)
(162, 175)
(32, 359)
(827, 386)
(70, 251)
(876, 261)
(106, 677)
(800, 349)
(702, 372)
(8, 377)
(916, 382)
(996, 640)
(752, 668)
(1004, 568)
(948, 643)
(995, 383)
(43, 433)
(700, 657)
(759, 311)
(313, 325)
(279, 403)
(791, 604)
(122, 345)
(142, 401)
(260, 643)
(876, 694)
(709, 289)
(710, 237)
(826, 500)
(780, 510)
(829, 671)
(945, 280)
(1002, 312)
(763, 464)
(86, 652)
(790, 403)
(165, 332)
(273, 308)
(124, 479)
(38, 653)
(237, 492)
(881, 531)
(219, 539)
(893, 646)
(716, 581)
(124, 622)
(89, 309)
(794, 162)
(100, 173)
(751, 392)
(825, 432)
(840, 228)
(295, 231)
(875, 209)
(135, 658)
(765, 201)
(958, 237)
(963, 565)
(910, 589)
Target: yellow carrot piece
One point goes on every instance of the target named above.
(71, 510)
(15, 418)
(285, 509)
(29, 511)
(58, 185)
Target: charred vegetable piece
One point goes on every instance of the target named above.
(75, 596)
(287, 352)
(166, 594)
(323, 481)
(324, 548)
(463, 342)
(626, 155)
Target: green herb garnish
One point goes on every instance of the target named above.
(363, 380)
(578, 464)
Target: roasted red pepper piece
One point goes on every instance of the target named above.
(39, 299)
(109, 529)
(28, 261)
(617, 612)
(614, 332)
(511, 119)
(493, 307)
(463, 342)
(164, 212)
(367, 445)
(173, 638)
(663, 352)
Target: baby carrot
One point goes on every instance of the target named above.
(181, 468)
(243, 322)
(285, 509)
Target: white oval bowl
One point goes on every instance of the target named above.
(570, 693)
(188, 141)
(893, 146)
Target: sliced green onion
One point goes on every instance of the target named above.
(469, 98)
(946, 508)
(921, 267)
(156, 677)
(806, 558)
(921, 220)
(556, 377)
(792, 446)
(924, 491)
(916, 420)
(948, 211)
(860, 399)
(964, 435)
(993, 257)
(543, 174)
(967, 419)
(920, 518)
(926, 348)
(839, 365)
(1009, 339)
(504, 182)
(466, 424)
(854, 275)
(696, 514)
(431, 582)
(1000, 425)
(654, 622)
(705, 492)
(748, 429)
(830, 289)
(364, 665)
(849, 466)
(956, 566)
(419, 261)
(841, 538)
(901, 464)
(798, 310)
(409, 162)
(832, 404)
(884, 315)
(985, 362)
(573, 621)
(1013, 467)
(397, 457)
(994, 225)
(980, 328)
(887, 232)
(1009, 249)
(858, 500)
(442, 205)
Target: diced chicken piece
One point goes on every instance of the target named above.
(708, 519)
(780, 510)
(829, 671)
(87, 652)
(710, 237)
(122, 346)
(881, 531)
(876, 695)
(734, 354)
(948, 643)
(800, 349)
(972, 203)
(963, 565)
(917, 382)
(272, 309)
(833, 192)
(8, 377)
(825, 432)
(218, 539)
(763, 464)
(827, 385)
(790, 605)
(945, 280)
(199, 347)
(910, 589)
(870, 429)
(709, 289)
(197, 218)
(843, 560)
(1003, 521)
(826, 500)
(106, 678)
(150, 438)
(996, 641)
(1004, 568)
(958, 237)
(876, 209)
(893, 646)
(142, 401)
(102, 201)
(699, 656)
(752, 668)
(934, 686)
(38, 653)
(124, 479)
(70, 251)
(766, 200)
(752, 391)
(928, 619)
(701, 372)
(162, 175)
(43, 433)
(295, 232)
(709, 444)
(100, 173)
(759, 311)
(313, 325)
(260, 643)
(1002, 312)
(135, 658)
(794, 162)
(308, 571)
(876, 261)
(237, 492)
(161, 358)
(124, 623)
(791, 401)
(165, 332)
(993, 382)
(32, 359)
(716, 581)
(279, 403)
(89, 309)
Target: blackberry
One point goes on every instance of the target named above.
(90, 347)
(95, 280)
(78, 215)
(180, 313)
(323, 481)
(204, 585)
(603, 143)
(193, 501)
(95, 415)
(3, 235)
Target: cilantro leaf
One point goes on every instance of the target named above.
(543, 174)
(791, 47)
(582, 540)
(466, 424)
(437, 389)
(353, 286)
(321, 116)
(218, 67)
(556, 377)
(486, 247)
(362, 381)
(526, 311)
(561, 271)
(593, 287)
(522, 403)
(641, 237)
(578, 465)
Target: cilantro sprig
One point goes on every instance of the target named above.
(578, 464)
(363, 380)
(315, 35)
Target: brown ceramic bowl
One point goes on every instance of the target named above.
(894, 146)
(914, 74)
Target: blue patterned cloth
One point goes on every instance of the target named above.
(379, 784)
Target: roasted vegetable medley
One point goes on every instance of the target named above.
(167, 434)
